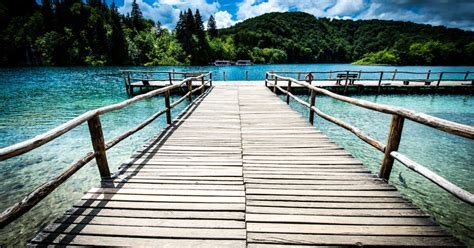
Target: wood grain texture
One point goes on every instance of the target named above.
(239, 168)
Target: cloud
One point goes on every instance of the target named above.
(167, 11)
(458, 14)
(223, 19)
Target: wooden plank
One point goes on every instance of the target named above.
(154, 205)
(346, 229)
(342, 220)
(420, 241)
(148, 231)
(338, 212)
(43, 239)
(164, 198)
(130, 221)
(155, 214)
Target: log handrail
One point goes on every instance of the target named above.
(425, 119)
(394, 74)
(92, 116)
(390, 150)
(435, 178)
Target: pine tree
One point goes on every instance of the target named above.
(201, 53)
(211, 27)
(180, 28)
(189, 22)
(137, 16)
(48, 14)
(118, 45)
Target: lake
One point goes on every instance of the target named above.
(35, 100)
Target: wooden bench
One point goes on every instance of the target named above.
(351, 77)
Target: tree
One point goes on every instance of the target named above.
(117, 40)
(200, 54)
(211, 27)
(137, 16)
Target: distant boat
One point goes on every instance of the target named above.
(243, 62)
(222, 62)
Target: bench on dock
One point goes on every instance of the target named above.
(350, 77)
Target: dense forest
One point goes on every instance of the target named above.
(74, 32)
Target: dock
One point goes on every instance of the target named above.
(239, 168)
(361, 82)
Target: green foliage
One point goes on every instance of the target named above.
(385, 57)
(191, 35)
(306, 39)
(72, 32)
(76, 33)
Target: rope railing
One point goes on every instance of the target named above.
(98, 143)
(390, 150)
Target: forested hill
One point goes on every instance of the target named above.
(306, 39)
(91, 32)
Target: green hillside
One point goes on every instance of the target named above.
(76, 32)
(306, 39)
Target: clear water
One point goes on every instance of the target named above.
(34, 100)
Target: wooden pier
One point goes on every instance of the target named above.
(345, 82)
(239, 168)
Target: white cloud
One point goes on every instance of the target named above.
(223, 19)
(252, 8)
(167, 11)
(346, 7)
(436, 12)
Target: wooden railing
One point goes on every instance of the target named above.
(390, 150)
(92, 118)
(380, 76)
(135, 76)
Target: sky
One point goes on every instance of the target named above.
(457, 14)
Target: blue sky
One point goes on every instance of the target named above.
(459, 14)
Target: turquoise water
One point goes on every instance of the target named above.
(34, 100)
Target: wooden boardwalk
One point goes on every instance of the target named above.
(239, 168)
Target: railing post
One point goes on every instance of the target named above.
(393, 141)
(360, 73)
(97, 138)
(171, 79)
(345, 86)
(466, 75)
(380, 82)
(299, 76)
(394, 75)
(247, 75)
(428, 75)
(223, 75)
(210, 80)
(203, 89)
(266, 79)
(288, 91)
(440, 78)
(168, 107)
(275, 85)
(190, 90)
(330, 75)
(312, 100)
